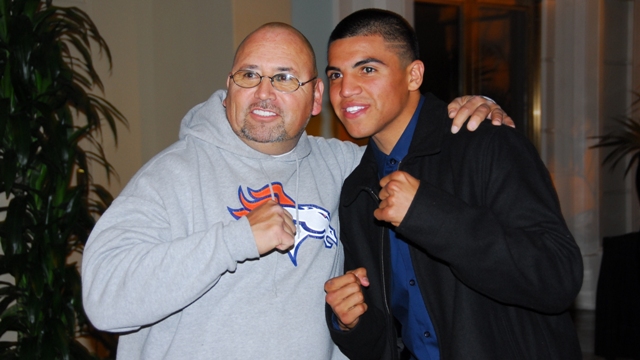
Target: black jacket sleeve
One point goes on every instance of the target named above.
(366, 341)
(499, 226)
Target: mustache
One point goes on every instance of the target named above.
(265, 105)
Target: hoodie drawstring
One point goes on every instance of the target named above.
(273, 197)
(295, 201)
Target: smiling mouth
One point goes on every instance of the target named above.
(354, 109)
(265, 113)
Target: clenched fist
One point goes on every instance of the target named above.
(272, 227)
(398, 190)
(344, 295)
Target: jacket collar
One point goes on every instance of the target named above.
(427, 140)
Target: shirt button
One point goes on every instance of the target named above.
(427, 334)
(393, 161)
(412, 282)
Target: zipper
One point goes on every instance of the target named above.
(384, 283)
(434, 323)
(382, 272)
(384, 280)
(373, 194)
(392, 344)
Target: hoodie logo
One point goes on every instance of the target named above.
(313, 221)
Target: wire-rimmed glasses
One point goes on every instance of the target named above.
(283, 82)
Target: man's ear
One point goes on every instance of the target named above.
(318, 89)
(224, 101)
(415, 72)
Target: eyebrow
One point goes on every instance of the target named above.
(357, 64)
(368, 61)
(279, 68)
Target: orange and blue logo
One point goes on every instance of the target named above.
(312, 222)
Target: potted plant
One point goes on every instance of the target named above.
(47, 111)
(623, 141)
(618, 290)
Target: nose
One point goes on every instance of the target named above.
(265, 90)
(349, 86)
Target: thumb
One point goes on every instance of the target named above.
(361, 274)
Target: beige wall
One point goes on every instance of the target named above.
(167, 57)
(586, 70)
(570, 114)
(249, 14)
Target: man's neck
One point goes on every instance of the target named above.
(274, 148)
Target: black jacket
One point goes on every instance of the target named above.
(494, 260)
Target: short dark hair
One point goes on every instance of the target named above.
(393, 28)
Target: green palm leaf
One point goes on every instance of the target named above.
(622, 142)
(47, 109)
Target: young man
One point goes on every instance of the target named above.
(453, 243)
(219, 246)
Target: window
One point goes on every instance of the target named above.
(485, 47)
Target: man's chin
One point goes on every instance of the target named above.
(357, 133)
(264, 138)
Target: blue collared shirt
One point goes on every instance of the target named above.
(407, 304)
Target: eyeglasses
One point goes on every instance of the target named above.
(285, 83)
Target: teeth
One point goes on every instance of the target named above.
(263, 113)
(353, 109)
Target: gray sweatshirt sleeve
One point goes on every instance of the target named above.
(136, 271)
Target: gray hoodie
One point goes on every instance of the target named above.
(173, 265)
